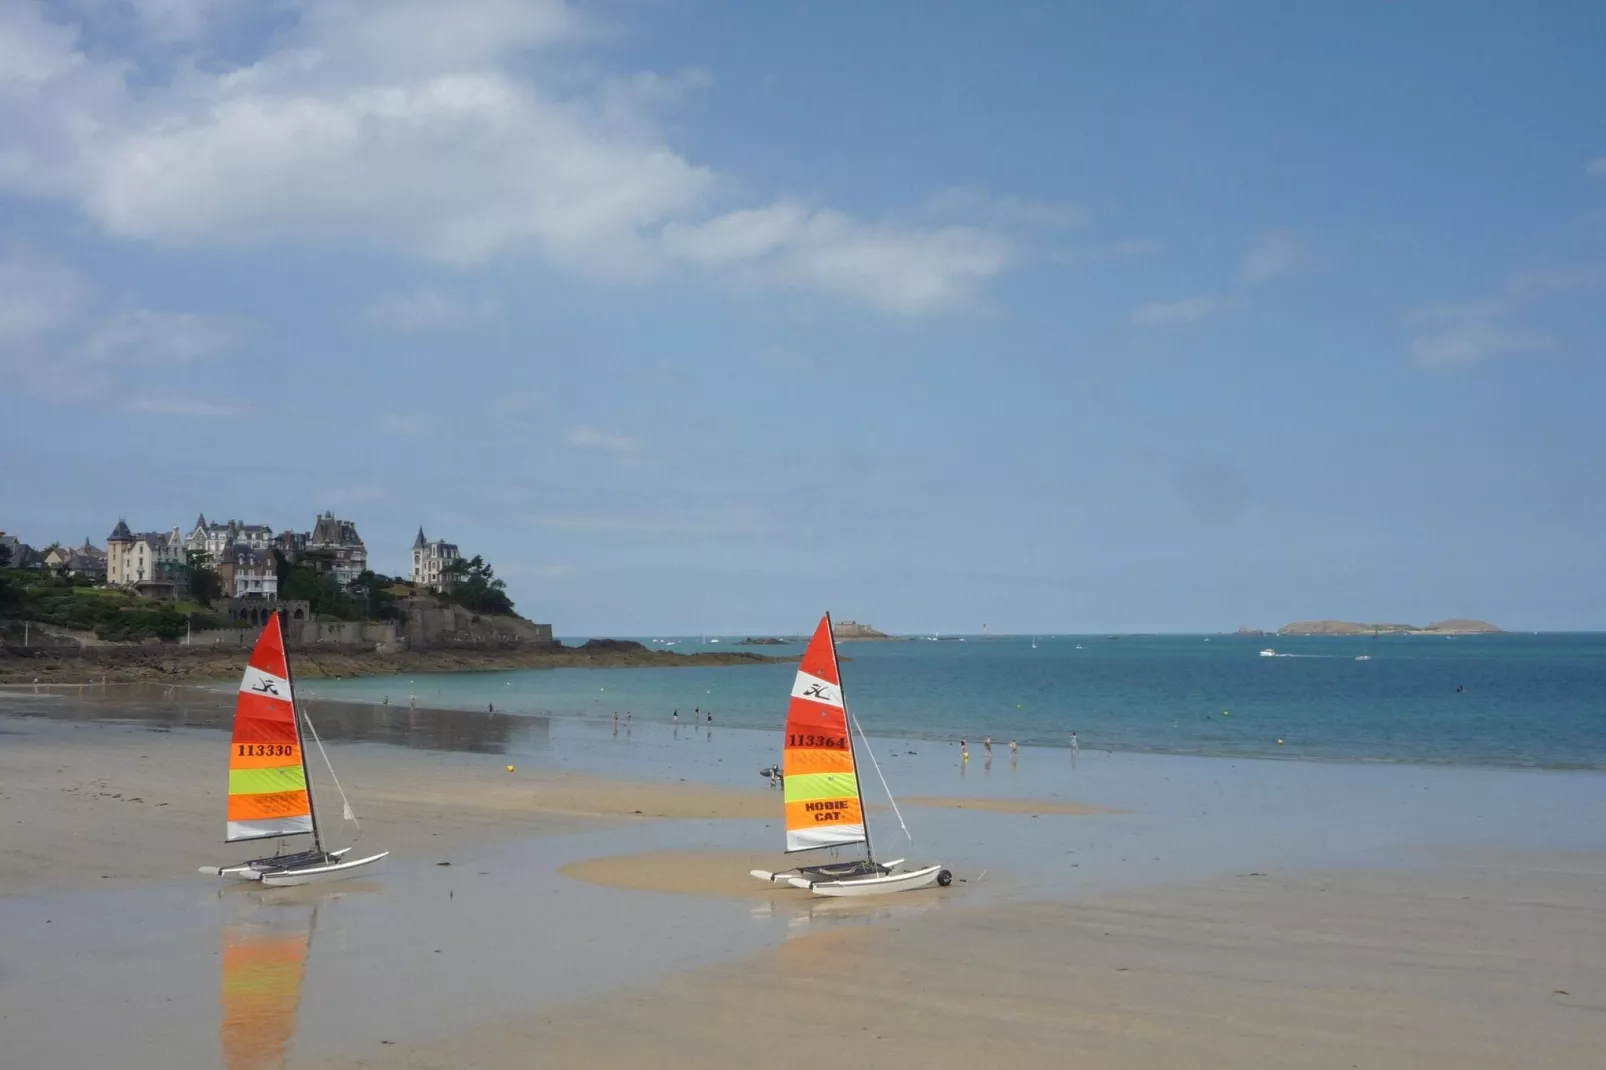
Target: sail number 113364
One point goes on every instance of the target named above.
(828, 742)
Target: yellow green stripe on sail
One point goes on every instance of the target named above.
(265, 781)
(813, 787)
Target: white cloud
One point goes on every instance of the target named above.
(57, 337)
(165, 405)
(426, 127)
(1274, 254)
(426, 309)
(1597, 167)
(1185, 311)
(898, 270)
(1467, 332)
(143, 336)
(621, 446)
(1469, 343)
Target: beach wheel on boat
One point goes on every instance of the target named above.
(945, 878)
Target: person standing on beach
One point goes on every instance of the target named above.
(1014, 748)
(676, 718)
(710, 716)
(987, 745)
(1076, 745)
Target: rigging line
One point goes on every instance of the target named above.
(345, 804)
(884, 786)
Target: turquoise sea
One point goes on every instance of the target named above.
(1509, 699)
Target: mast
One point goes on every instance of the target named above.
(301, 739)
(847, 723)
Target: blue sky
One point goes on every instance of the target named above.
(697, 316)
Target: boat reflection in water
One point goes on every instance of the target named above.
(263, 964)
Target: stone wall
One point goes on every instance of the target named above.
(429, 625)
(343, 633)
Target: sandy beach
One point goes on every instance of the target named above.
(1490, 962)
(1121, 913)
(106, 804)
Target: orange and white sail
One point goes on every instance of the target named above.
(262, 972)
(267, 777)
(823, 805)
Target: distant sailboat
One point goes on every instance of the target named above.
(824, 806)
(270, 794)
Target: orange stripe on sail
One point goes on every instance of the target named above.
(801, 815)
(268, 805)
(801, 761)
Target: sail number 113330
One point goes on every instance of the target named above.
(265, 750)
(828, 742)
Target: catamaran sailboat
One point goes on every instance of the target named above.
(270, 794)
(824, 805)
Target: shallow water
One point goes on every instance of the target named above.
(1536, 700)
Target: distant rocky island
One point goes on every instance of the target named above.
(848, 630)
(762, 641)
(1456, 626)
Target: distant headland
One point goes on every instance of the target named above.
(852, 630)
(1456, 626)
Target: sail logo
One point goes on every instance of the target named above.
(826, 811)
(812, 688)
(257, 682)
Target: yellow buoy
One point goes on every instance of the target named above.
(1279, 742)
(510, 769)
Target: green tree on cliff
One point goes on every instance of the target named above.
(473, 585)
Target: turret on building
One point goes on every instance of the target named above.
(431, 560)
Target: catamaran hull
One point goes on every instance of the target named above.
(254, 869)
(820, 872)
(284, 878)
(882, 885)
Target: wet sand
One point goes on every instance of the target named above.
(1492, 962)
(717, 873)
(94, 805)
